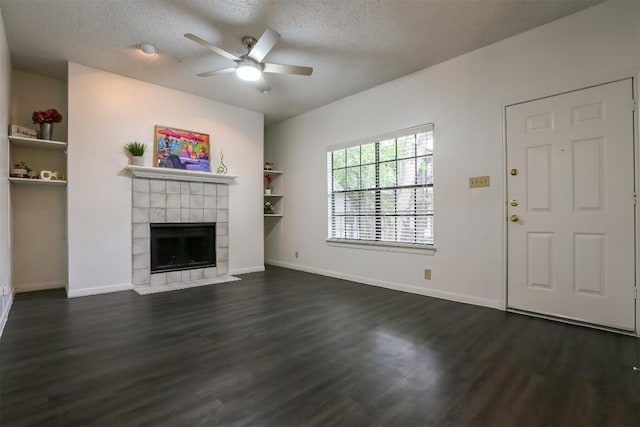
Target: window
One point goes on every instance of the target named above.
(382, 191)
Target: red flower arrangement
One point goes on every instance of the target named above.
(48, 116)
(269, 178)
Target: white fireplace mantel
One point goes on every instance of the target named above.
(179, 175)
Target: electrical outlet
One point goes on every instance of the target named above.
(479, 181)
(427, 274)
(297, 254)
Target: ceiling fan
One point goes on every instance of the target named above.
(250, 66)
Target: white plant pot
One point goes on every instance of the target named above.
(137, 160)
(18, 173)
(267, 191)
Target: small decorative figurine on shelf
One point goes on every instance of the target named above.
(268, 166)
(269, 180)
(49, 175)
(268, 208)
(222, 169)
(46, 119)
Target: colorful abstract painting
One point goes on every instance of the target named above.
(181, 149)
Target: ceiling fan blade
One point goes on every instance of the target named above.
(212, 47)
(219, 71)
(262, 85)
(287, 69)
(265, 43)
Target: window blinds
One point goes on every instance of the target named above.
(382, 191)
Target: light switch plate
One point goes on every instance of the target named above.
(427, 274)
(479, 181)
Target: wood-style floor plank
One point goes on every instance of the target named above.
(287, 348)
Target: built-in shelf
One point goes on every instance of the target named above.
(179, 174)
(41, 144)
(276, 195)
(31, 181)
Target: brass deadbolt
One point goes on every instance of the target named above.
(514, 172)
(514, 203)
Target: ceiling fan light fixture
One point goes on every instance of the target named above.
(249, 71)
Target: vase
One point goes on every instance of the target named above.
(137, 161)
(267, 191)
(46, 129)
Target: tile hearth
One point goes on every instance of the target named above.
(172, 201)
(154, 289)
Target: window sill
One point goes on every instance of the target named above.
(383, 246)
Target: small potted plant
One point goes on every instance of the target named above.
(269, 180)
(46, 119)
(20, 170)
(136, 149)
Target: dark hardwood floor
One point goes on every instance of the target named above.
(286, 348)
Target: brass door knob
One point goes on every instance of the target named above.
(514, 172)
(514, 218)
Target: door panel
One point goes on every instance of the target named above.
(587, 174)
(589, 265)
(539, 178)
(540, 260)
(571, 250)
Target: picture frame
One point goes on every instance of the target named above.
(181, 149)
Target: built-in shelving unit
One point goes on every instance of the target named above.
(276, 195)
(38, 207)
(37, 148)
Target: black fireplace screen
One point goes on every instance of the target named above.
(182, 246)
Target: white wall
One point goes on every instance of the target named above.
(105, 112)
(464, 98)
(39, 220)
(5, 208)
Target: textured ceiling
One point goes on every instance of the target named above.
(352, 45)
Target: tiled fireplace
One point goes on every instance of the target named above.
(168, 196)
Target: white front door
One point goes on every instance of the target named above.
(570, 189)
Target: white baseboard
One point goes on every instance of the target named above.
(32, 287)
(4, 316)
(451, 296)
(74, 293)
(246, 270)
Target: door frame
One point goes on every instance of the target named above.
(635, 77)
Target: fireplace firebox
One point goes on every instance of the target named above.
(177, 246)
